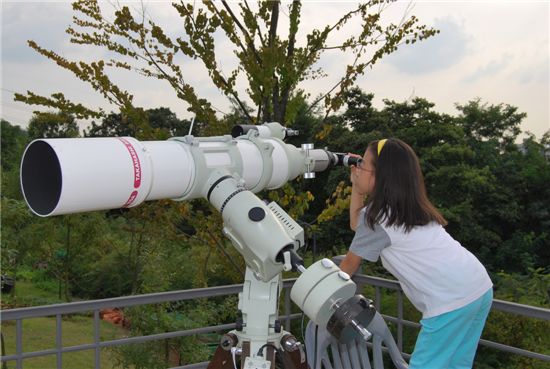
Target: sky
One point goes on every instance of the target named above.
(497, 51)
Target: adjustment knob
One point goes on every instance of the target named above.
(277, 326)
(239, 324)
(256, 214)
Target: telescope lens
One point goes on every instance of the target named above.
(41, 178)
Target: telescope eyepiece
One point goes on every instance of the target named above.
(346, 160)
(291, 132)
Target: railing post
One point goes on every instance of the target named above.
(287, 309)
(19, 343)
(58, 342)
(377, 299)
(400, 320)
(96, 340)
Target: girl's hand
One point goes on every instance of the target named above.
(355, 155)
(354, 172)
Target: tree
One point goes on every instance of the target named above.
(485, 122)
(273, 64)
(16, 241)
(166, 123)
(111, 125)
(12, 146)
(271, 60)
(13, 139)
(52, 125)
(162, 122)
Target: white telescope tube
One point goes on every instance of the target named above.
(71, 175)
(61, 176)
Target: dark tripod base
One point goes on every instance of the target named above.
(222, 358)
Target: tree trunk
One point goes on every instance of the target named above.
(269, 114)
(285, 89)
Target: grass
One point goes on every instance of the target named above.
(27, 293)
(40, 333)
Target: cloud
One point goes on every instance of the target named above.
(536, 73)
(434, 54)
(490, 69)
(42, 22)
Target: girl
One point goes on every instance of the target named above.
(442, 279)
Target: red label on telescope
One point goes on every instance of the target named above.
(135, 161)
(137, 170)
(131, 199)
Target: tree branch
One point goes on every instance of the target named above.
(336, 85)
(239, 44)
(249, 40)
(262, 41)
(327, 31)
(224, 81)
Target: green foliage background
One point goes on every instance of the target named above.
(493, 192)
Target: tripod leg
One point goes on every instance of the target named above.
(221, 360)
(292, 360)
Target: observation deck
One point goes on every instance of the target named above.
(17, 359)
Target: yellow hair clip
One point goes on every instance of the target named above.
(381, 145)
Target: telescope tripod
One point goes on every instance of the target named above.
(259, 338)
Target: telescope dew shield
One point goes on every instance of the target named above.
(62, 176)
(41, 178)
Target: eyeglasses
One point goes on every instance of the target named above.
(361, 166)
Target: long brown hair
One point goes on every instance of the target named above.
(399, 197)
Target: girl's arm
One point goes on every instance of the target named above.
(356, 201)
(351, 263)
(355, 206)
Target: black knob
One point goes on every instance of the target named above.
(277, 326)
(239, 324)
(256, 214)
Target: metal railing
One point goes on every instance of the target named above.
(58, 310)
(498, 305)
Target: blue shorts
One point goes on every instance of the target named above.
(449, 340)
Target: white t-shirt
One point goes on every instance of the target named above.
(436, 273)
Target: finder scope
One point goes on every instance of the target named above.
(264, 130)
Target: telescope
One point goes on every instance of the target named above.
(73, 175)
